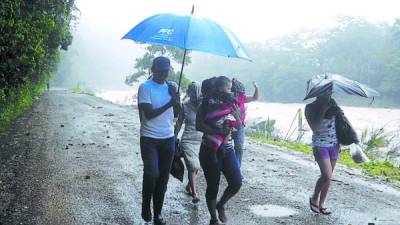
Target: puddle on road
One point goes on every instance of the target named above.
(272, 210)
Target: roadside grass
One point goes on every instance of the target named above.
(373, 168)
(76, 90)
(79, 90)
(17, 101)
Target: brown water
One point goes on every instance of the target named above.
(284, 114)
(361, 117)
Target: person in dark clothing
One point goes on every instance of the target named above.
(216, 152)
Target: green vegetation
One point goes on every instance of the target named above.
(79, 90)
(374, 139)
(32, 34)
(17, 101)
(373, 168)
(76, 90)
(355, 48)
(143, 64)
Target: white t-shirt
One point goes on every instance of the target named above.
(157, 95)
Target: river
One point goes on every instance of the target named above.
(362, 118)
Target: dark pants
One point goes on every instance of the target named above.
(213, 163)
(157, 156)
(238, 139)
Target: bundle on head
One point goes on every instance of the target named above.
(238, 87)
(194, 92)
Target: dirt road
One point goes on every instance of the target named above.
(74, 159)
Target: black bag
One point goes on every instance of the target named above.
(177, 168)
(178, 148)
(345, 133)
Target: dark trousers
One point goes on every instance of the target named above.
(157, 156)
(213, 163)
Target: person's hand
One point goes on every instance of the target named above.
(175, 96)
(175, 100)
(225, 130)
(172, 90)
(255, 85)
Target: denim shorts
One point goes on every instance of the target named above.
(326, 153)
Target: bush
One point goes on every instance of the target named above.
(18, 100)
(32, 33)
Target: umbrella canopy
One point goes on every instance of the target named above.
(188, 32)
(334, 83)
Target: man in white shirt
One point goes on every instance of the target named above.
(156, 100)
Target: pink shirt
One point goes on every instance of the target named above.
(241, 100)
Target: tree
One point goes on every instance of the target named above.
(32, 34)
(355, 48)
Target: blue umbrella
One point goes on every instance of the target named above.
(188, 32)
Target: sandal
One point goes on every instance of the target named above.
(195, 200)
(314, 207)
(324, 211)
(188, 190)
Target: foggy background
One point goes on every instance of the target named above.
(98, 59)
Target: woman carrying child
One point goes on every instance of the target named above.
(217, 117)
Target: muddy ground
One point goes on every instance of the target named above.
(74, 159)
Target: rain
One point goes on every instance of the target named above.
(75, 131)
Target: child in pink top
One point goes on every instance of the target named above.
(239, 91)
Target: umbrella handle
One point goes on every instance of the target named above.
(183, 64)
(183, 61)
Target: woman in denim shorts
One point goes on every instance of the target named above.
(320, 115)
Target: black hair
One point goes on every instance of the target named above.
(208, 86)
(221, 81)
(238, 87)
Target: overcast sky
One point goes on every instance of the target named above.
(102, 58)
(251, 20)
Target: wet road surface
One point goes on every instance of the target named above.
(75, 159)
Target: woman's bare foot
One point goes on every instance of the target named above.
(221, 214)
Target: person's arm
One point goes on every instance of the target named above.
(314, 115)
(146, 107)
(203, 127)
(179, 122)
(151, 113)
(173, 92)
(255, 95)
